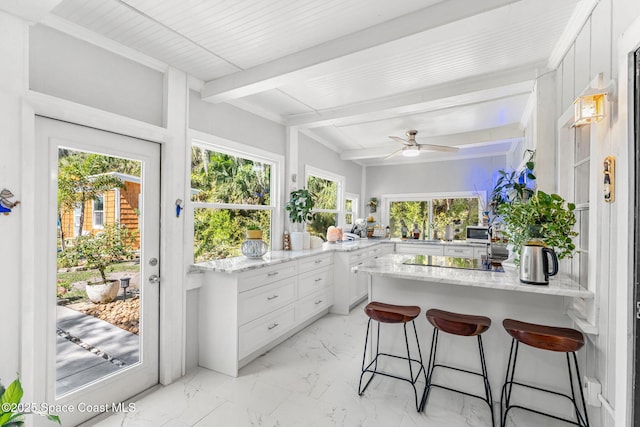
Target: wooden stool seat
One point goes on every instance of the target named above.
(552, 338)
(458, 324)
(389, 313)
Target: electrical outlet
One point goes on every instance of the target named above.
(592, 388)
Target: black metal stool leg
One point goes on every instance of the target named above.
(485, 377)
(364, 358)
(430, 366)
(508, 382)
(583, 421)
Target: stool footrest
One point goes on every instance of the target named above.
(483, 398)
(512, 383)
(374, 371)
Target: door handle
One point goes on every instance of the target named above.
(154, 278)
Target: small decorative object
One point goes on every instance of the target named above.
(7, 205)
(124, 284)
(254, 232)
(416, 231)
(286, 241)
(609, 179)
(373, 204)
(299, 206)
(178, 207)
(332, 234)
(253, 248)
(404, 230)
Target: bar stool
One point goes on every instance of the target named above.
(463, 325)
(388, 313)
(550, 338)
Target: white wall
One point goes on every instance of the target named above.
(68, 68)
(13, 38)
(313, 153)
(435, 177)
(595, 50)
(234, 124)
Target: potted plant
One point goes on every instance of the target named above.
(10, 413)
(299, 206)
(512, 186)
(543, 217)
(113, 244)
(373, 204)
(254, 232)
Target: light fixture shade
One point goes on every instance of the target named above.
(588, 109)
(411, 151)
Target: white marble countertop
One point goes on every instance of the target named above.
(241, 263)
(391, 266)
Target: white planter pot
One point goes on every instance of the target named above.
(297, 240)
(104, 292)
(307, 240)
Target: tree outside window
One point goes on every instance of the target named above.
(326, 189)
(432, 214)
(229, 193)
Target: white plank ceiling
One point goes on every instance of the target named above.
(352, 72)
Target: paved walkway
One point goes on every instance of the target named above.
(88, 348)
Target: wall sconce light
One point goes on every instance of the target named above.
(588, 109)
(589, 106)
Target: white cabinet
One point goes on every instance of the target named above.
(459, 251)
(480, 251)
(350, 288)
(420, 248)
(243, 314)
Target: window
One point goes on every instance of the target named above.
(230, 190)
(327, 190)
(581, 165)
(431, 213)
(77, 227)
(350, 210)
(98, 212)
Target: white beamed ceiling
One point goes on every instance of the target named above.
(352, 72)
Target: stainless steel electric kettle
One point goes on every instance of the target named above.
(534, 264)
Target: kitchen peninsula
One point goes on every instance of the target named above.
(495, 294)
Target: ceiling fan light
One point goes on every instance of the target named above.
(411, 151)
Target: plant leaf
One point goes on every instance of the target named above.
(13, 393)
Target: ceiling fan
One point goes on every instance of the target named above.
(412, 147)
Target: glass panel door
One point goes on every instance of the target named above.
(101, 289)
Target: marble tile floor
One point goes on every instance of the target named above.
(309, 380)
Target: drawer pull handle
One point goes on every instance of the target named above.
(273, 273)
(318, 302)
(274, 325)
(318, 280)
(318, 261)
(272, 297)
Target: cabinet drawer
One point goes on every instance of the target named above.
(262, 331)
(314, 281)
(419, 249)
(263, 300)
(313, 304)
(459, 251)
(261, 276)
(312, 263)
(358, 256)
(478, 252)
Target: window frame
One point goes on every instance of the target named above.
(329, 176)
(94, 224)
(387, 199)
(237, 149)
(355, 203)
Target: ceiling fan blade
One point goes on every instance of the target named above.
(395, 153)
(400, 140)
(439, 148)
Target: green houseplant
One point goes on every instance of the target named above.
(300, 206)
(543, 217)
(10, 413)
(254, 232)
(512, 186)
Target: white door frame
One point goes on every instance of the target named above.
(172, 269)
